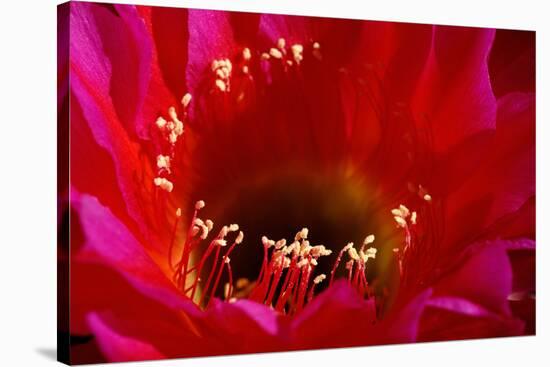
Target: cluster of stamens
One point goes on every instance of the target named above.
(170, 130)
(287, 279)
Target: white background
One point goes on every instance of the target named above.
(28, 170)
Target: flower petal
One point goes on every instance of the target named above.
(120, 348)
(512, 62)
(448, 318)
(454, 98)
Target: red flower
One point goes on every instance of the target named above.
(422, 136)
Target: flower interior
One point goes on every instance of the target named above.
(352, 235)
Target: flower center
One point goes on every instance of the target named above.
(273, 197)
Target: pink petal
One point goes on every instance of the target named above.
(118, 347)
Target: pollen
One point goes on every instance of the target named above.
(186, 100)
(319, 278)
(163, 162)
(275, 53)
(281, 43)
(247, 55)
(164, 184)
(297, 52)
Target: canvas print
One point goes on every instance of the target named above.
(234, 182)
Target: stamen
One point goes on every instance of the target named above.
(164, 184)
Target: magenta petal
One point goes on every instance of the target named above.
(401, 325)
(91, 73)
(120, 348)
(452, 318)
(210, 38)
(485, 277)
(108, 242)
(245, 327)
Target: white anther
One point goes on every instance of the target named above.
(198, 222)
(245, 69)
(163, 161)
(246, 54)
(369, 239)
(199, 205)
(178, 212)
(233, 227)
(352, 252)
(319, 278)
(240, 237)
(313, 262)
(186, 100)
(209, 224)
(347, 247)
(221, 243)
(413, 218)
(297, 52)
(227, 260)
(265, 56)
(161, 123)
(164, 184)
(275, 53)
(280, 244)
(371, 252)
(404, 211)
(427, 197)
(221, 85)
(204, 232)
(281, 43)
(400, 221)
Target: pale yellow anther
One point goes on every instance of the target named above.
(178, 212)
(319, 278)
(347, 247)
(199, 205)
(297, 52)
(164, 184)
(369, 239)
(198, 222)
(313, 262)
(163, 162)
(404, 211)
(195, 231)
(233, 228)
(371, 253)
(286, 262)
(281, 43)
(186, 100)
(245, 69)
(275, 53)
(246, 54)
(304, 233)
(352, 252)
(427, 197)
(204, 232)
(221, 243)
(161, 123)
(265, 56)
(227, 260)
(240, 237)
(220, 84)
(209, 224)
(400, 221)
(413, 218)
(280, 244)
